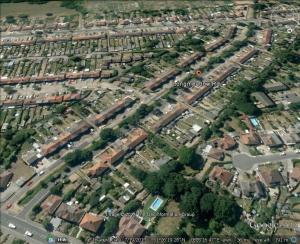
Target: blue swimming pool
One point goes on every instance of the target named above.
(254, 122)
(156, 204)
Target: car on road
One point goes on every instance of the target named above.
(12, 226)
(298, 151)
(41, 172)
(29, 183)
(8, 205)
(28, 233)
(282, 154)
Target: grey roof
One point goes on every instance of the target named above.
(275, 86)
(263, 99)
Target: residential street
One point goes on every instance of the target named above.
(246, 162)
(40, 235)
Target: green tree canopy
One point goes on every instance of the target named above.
(226, 210)
(78, 157)
(187, 155)
(132, 206)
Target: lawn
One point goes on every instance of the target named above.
(168, 225)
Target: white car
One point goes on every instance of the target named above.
(41, 172)
(28, 233)
(12, 226)
(298, 151)
(282, 154)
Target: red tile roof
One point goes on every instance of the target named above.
(129, 227)
(51, 203)
(222, 175)
(91, 222)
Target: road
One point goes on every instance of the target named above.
(246, 162)
(39, 234)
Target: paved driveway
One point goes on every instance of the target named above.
(246, 162)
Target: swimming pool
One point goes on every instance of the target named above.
(254, 122)
(156, 204)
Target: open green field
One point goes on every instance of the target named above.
(168, 225)
(16, 9)
(94, 6)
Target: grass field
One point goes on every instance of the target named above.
(16, 9)
(168, 225)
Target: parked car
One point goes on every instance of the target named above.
(12, 226)
(28, 233)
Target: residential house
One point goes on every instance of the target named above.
(130, 227)
(168, 117)
(271, 177)
(250, 139)
(253, 189)
(262, 100)
(271, 139)
(134, 138)
(222, 75)
(267, 37)
(111, 155)
(295, 174)
(217, 154)
(191, 98)
(221, 175)
(227, 143)
(98, 169)
(51, 203)
(5, 178)
(275, 86)
(91, 222)
(69, 213)
(161, 79)
(248, 54)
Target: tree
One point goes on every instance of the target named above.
(132, 206)
(207, 204)
(204, 233)
(244, 230)
(153, 183)
(226, 210)
(174, 185)
(295, 106)
(187, 155)
(108, 134)
(78, 157)
(170, 189)
(190, 201)
(206, 133)
(138, 173)
(57, 121)
(94, 199)
(57, 189)
(215, 225)
(110, 227)
(18, 241)
(80, 196)
(47, 225)
(9, 90)
(44, 184)
(68, 196)
(265, 216)
(36, 209)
